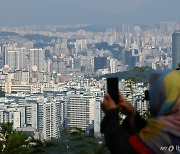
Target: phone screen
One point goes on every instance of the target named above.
(113, 89)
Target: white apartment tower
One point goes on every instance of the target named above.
(16, 59)
(52, 119)
(80, 110)
(37, 58)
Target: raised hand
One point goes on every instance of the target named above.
(108, 103)
(125, 107)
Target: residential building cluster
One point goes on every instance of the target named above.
(51, 81)
(77, 103)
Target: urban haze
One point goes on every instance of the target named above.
(55, 57)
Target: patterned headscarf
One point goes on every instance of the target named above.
(164, 131)
(164, 90)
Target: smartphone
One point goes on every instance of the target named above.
(113, 89)
(146, 93)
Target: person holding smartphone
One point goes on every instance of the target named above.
(135, 135)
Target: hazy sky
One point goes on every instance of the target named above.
(103, 6)
(20, 12)
(110, 6)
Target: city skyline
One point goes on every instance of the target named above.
(56, 57)
(53, 79)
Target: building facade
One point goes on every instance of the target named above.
(175, 49)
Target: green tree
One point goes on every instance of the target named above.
(147, 116)
(130, 83)
(6, 128)
(72, 141)
(103, 149)
(13, 142)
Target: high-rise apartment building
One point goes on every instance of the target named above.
(100, 63)
(47, 117)
(37, 58)
(80, 110)
(52, 119)
(3, 50)
(175, 49)
(16, 59)
(1, 60)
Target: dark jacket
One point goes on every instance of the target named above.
(116, 135)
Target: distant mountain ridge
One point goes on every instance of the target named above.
(139, 74)
(8, 34)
